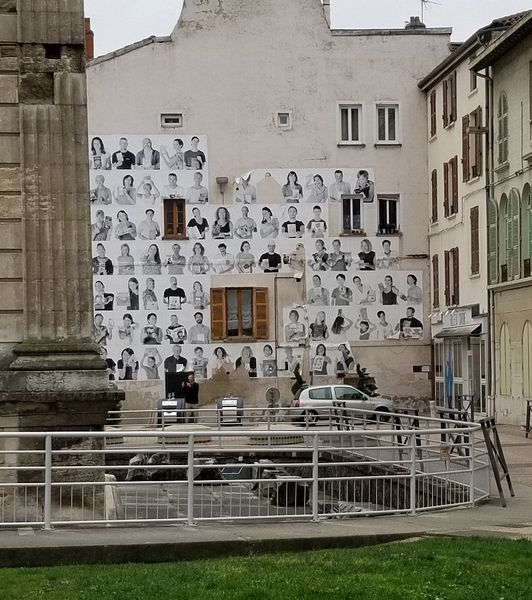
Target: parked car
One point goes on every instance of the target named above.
(311, 403)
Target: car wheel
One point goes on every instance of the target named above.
(383, 418)
(311, 418)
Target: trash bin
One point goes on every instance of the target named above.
(171, 411)
(230, 410)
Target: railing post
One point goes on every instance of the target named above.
(315, 476)
(412, 474)
(190, 481)
(472, 461)
(48, 483)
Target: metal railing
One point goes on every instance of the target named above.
(351, 464)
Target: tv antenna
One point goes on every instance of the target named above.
(425, 3)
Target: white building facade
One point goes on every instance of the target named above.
(287, 163)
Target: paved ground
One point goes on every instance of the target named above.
(177, 542)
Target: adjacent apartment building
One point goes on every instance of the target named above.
(258, 192)
(459, 165)
(508, 62)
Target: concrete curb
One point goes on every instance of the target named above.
(47, 556)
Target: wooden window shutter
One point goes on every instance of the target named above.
(465, 148)
(435, 282)
(445, 115)
(446, 189)
(513, 267)
(492, 242)
(475, 257)
(433, 113)
(453, 111)
(260, 313)
(447, 257)
(478, 143)
(434, 192)
(456, 277)
(454, 184)
(218, 314)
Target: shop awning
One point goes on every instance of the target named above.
(461, 330)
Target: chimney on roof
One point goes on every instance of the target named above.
(89, 40)
(415, 23)
(327, 11)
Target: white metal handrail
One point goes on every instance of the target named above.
(304, 472)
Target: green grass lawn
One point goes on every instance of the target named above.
(443, 569)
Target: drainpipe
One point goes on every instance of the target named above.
(490, 183)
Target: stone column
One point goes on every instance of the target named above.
(51, 372)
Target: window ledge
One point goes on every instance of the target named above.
(238, 340)
(473, 180)
(357, 144)
(473, 92)
(173, 239)
(433, 138)
(450, 125)
(397, 233)
(528, 156)
(387, 144)
(352, 233)
(474, 275)
(451, 216)
(500, 168)
(434, 223)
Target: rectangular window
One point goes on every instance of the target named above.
(435, 282)
(171, 120)
(455, 298)
(350, 123)
(174, 219)
(387, 123)
(454, 184)
(450, 186)
(434, 194)
(239, 313)
(438, 359)
(446, 205)
(472, 145)
(388, 213)
(473, 78)
(352, 213)
(475, 243)
(432, 101)
(449, 100)
(284, 120)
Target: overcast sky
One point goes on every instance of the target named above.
(117, 23)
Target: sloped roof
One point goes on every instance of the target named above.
(462, 51)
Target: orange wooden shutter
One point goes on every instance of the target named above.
(260, 313)
(218, 316)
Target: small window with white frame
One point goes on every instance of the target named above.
(388, 213)
(284, 120)
(171, 120)
(350, 123)
(388, 124)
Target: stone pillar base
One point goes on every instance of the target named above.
(55, 411)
